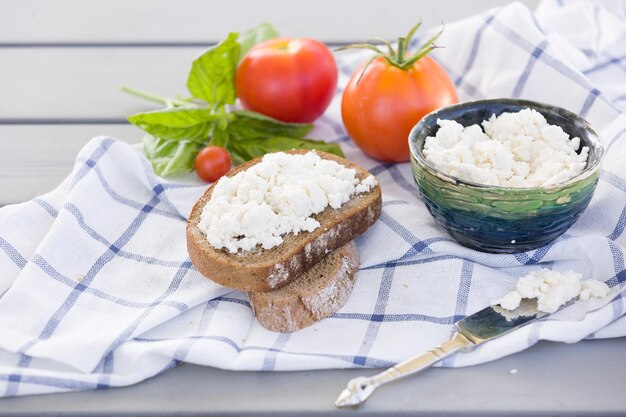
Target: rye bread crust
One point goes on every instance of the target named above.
(316, 294)
(264, 270)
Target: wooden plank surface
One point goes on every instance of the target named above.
(35, 159)
(166, 21)
(83, 83)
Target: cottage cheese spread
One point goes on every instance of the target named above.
(552, 289)
(277, 196)
(514, 150)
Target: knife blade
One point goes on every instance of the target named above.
(474, 330)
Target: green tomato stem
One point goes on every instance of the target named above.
(401, 51)
(398, 58)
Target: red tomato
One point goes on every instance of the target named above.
(292, 80)
(211, 163)
(380, 110)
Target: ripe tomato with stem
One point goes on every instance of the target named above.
(390, 94)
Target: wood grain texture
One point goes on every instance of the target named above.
(35, 159)
(84, 83)
(165, 21)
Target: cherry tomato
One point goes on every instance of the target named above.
(211, 163)
(292, 80)
(381, 108)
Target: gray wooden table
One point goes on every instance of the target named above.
(60, 65)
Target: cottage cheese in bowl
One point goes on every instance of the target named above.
(505, 175)
(511, 150)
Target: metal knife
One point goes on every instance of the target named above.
(470, 332)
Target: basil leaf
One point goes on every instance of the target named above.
(248, 124)
(256, 35)
(170, 156)
(220, 137)
(176, 123)
(245, 150)
(212, 74)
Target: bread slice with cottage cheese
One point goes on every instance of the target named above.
(260, 270)
(314, 295)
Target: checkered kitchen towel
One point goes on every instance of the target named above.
(96, 288)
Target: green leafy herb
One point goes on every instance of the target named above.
(212, 74)
(256, 35)
(176, 123)
(170, 156)
(178, 132)
(247, 124)
(244, 150)
(220, 137)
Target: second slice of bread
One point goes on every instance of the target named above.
(264, 270)
(316, 294)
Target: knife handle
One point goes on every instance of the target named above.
(422, 361)
(359, 389)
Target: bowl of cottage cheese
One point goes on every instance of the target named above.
(505, 175)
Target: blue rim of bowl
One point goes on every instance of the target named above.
(589, 170)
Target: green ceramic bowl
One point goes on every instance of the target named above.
(502, 219)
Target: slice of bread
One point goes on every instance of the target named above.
(314, 295)
(264, 270)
